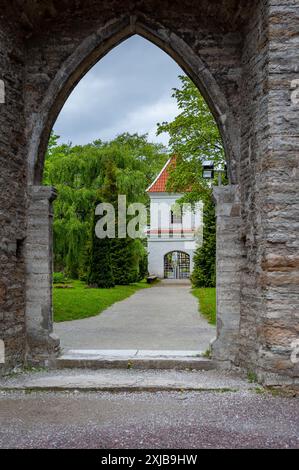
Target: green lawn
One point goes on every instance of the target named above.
(83, 302)
(207, 302)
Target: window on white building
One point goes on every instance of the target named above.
(176, 217)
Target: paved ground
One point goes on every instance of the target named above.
(198, 420)
(164, 317)
(128, 408)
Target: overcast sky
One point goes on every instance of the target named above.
(129, 90)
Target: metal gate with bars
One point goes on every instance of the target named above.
(177, 265)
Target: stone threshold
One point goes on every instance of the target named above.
(134, 359)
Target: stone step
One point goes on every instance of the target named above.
(134, 359)
(123, 380)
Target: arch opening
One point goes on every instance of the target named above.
(78, 64)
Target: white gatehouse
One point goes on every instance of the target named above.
(174, 232)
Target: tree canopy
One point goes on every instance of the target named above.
(79, 174)
(194, 138)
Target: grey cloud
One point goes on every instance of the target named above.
(128, 90)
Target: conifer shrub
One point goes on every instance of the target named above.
(204, 271)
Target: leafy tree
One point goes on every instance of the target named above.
(195, 138)
(194, 132)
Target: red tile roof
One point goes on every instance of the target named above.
(160, 183)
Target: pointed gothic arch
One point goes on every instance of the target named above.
(92, 50)
(42, 344)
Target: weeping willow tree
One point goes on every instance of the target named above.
(79, 174)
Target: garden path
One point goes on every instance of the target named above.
(164, 317)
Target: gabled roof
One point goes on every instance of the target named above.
(160, 183)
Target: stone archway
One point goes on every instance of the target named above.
(42, 344)
(249, 50)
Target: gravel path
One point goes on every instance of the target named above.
(243, 419)
(164, 317)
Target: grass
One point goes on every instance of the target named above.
(82, 302)
(252, 377)
(207, 302)
(208, 353)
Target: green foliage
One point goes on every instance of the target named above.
(82, 302)
(143, 265)
(204, 272)
(100, 264)
(59, 278)
(252, 377)
(208, 353)
(124, 253)
(125, 260)
(80, 174)
(207, 303)
(194, 132)
(194, 138)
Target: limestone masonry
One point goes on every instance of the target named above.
(244, 58)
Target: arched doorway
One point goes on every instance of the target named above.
(40, 198)
(177, 265)
(227, 52)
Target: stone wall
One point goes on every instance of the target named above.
(42, 344)
(254, 143)
(279, 188)
(243, 56)
(12, 195)
(269, 192)
(229, 266)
